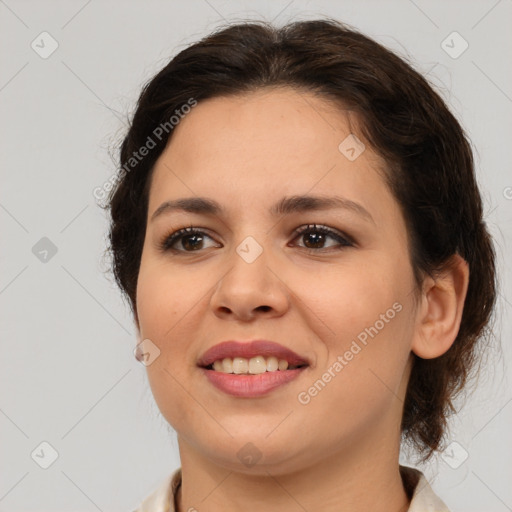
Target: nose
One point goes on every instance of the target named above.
(250, 289)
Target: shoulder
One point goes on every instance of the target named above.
(162, 498)
(423, 497)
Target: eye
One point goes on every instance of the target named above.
(191, 239)
(315, 237)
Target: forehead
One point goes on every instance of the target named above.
(277, 122)
(262, 145)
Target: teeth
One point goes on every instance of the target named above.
(257, 365)
(253, 366)
(218, 366)
(272, 364)
(240, 365)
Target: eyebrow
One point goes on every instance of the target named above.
(286, 206)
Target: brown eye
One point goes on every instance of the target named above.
(191, 240)
(315, 237)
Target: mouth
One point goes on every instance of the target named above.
(252, 369)
(253, 366)
(250, 358)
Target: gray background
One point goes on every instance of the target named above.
(67, 371)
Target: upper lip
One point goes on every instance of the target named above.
(250, 349)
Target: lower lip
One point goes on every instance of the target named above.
(249, 386)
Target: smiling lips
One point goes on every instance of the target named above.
(250, 369)
(247, 350)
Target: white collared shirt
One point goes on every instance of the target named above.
(423, 497)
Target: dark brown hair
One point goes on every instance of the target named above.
(429, 169)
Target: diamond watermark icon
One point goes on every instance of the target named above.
(249, 250)
(454, 455)
(44, 250)
(146, 352)
(44, 455)
(454, 45)
(44, 45)
(351, 147)
(249, 454)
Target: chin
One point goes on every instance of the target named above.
(255, 453)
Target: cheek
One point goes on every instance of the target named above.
(361, 315)
(165, 308)
(166, 303)
(164, 297)
(348, 298)
(360, 380)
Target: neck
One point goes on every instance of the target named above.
(341, 483)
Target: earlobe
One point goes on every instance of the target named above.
(440, 310)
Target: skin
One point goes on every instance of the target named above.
(340, 451)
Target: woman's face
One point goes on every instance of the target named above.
(341, 300)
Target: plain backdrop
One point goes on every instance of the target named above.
(68, 377)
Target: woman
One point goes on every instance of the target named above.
(299, 231)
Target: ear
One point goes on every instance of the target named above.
(440, 309)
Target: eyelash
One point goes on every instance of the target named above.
(344, 241)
